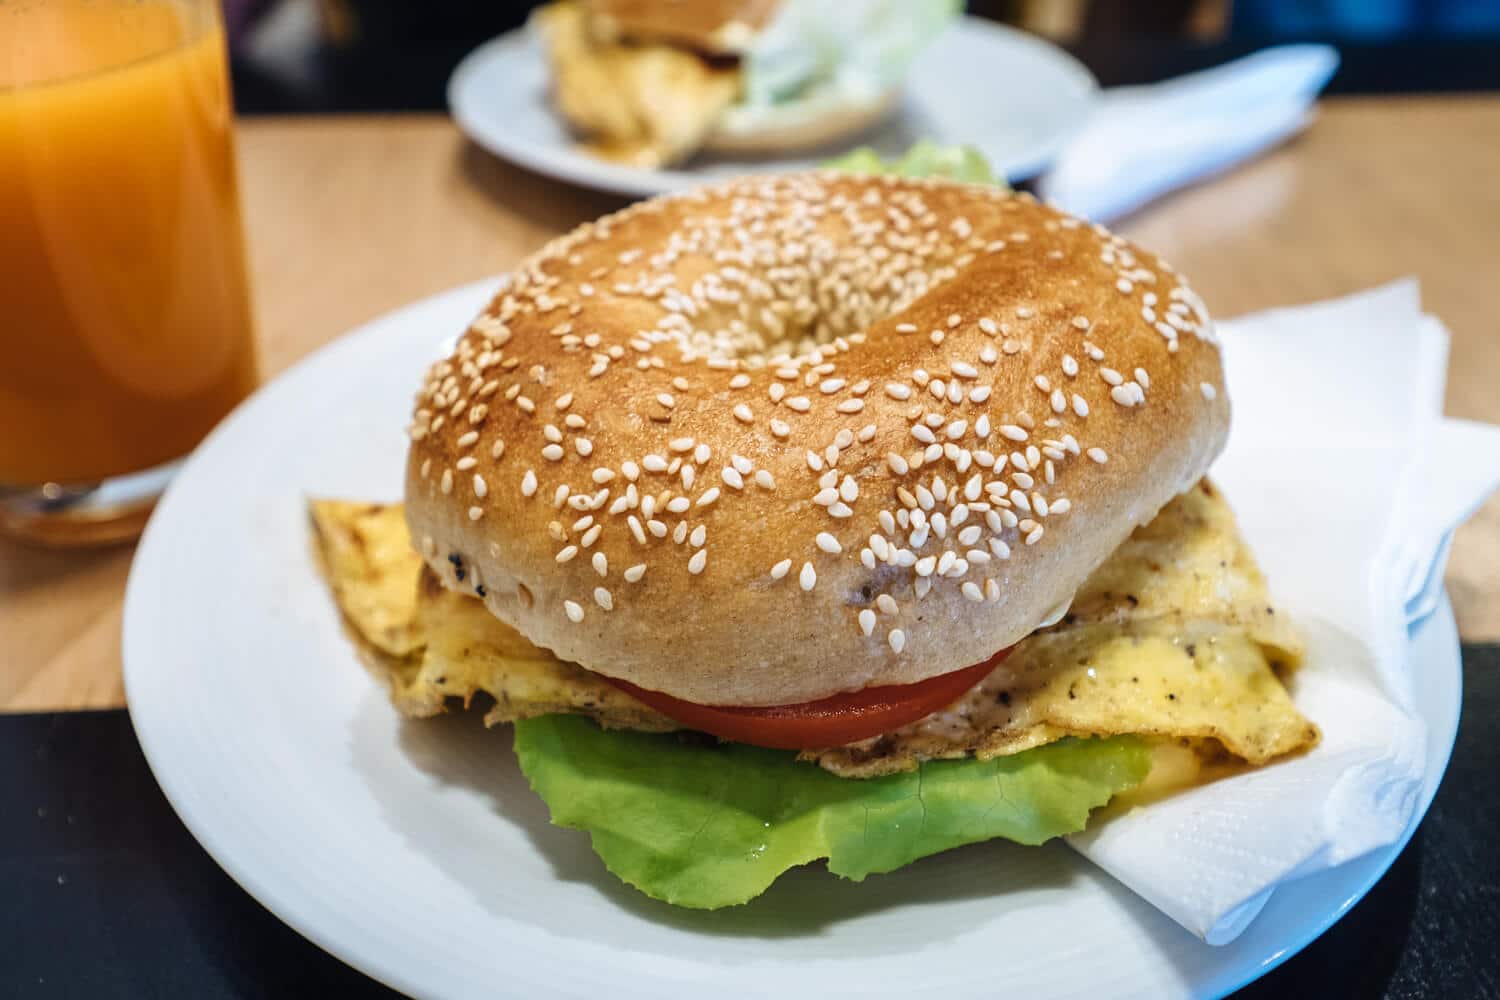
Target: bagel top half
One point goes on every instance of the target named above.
(796, 435)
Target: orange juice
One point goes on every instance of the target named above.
(124, 313)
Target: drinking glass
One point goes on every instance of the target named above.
(125, 328)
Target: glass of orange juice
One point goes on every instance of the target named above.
(125, 329)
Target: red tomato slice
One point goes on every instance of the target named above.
(828, 722)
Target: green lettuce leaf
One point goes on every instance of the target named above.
(925, 159)
(711, 825)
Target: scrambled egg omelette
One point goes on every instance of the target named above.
(1173, 638)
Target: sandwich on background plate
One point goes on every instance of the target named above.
(835, 515)
(649, 83)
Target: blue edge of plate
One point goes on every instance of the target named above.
(1441, 609)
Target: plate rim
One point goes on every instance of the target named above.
(571, 167)
(286, 908)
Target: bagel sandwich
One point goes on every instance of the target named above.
(649, 83)
(827, 516)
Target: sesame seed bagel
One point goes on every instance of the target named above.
(796, 435)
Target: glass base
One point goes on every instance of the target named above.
(76, 514)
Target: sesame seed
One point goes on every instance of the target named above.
(742, 413)
(634, 573)
(897, 639)
(1209, 392)
(573, 610)
(1124, 394)
(828, 543)
(988, 326)
(604, 599)
(528, 484)
(799, 403)
(732, 477)
(867, 621)
(964, 370)
(808, 578)
(678, 505)
(654, 463)
(681, 444)
(702, 454)
(1142, 378)
(1098, 455)
(780, 428)
(698, 561)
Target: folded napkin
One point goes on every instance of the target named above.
(1142, 142)
(1348, 483)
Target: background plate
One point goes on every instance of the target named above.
(1011, 94)
(415, 851)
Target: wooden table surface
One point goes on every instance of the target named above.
(352, 216)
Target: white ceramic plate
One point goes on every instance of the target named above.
(415, 851)
(1014, 96)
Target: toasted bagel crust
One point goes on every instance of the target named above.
(794, 435)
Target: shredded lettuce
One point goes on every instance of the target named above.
(925, 159)
(706, 826)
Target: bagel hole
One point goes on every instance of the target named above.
(816, 306)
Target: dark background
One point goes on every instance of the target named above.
(378, 55)
(103, 893)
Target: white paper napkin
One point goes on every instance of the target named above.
(1142, 142)
(1348, 483)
